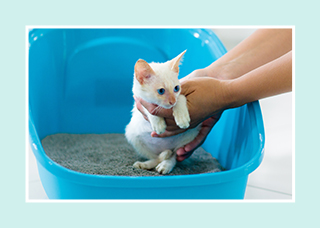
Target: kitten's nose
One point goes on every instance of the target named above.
(171, 100)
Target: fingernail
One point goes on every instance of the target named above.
(180, 152)
(153, 134)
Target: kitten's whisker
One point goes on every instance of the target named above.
(157, 110)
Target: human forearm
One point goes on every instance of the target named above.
(259, 67)
(261, 47)
(270, 79)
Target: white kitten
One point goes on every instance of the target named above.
(158, 83)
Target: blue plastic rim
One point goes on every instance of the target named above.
(80, 81)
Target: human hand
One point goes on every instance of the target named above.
(206, 126)
(167, 113)
(206, 97)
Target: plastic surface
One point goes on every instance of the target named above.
(80, 81)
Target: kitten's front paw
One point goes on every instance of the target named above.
(159, 125)
(182, 120)
(164, 167)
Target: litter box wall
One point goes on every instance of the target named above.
(80, 81)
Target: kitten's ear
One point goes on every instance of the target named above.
(143, 71)
(174, 63)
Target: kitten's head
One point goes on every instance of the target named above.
(158, 83)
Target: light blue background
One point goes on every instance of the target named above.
(15, 212)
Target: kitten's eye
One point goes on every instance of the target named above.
(176, 89)
(161, 91)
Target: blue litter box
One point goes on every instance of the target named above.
(80, 81)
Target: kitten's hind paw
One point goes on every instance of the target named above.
(139, 165)
(150, 164)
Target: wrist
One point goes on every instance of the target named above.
(268, 80)
(233, 97)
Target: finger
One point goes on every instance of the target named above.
(186, 151)
(171, 125)
(140, 108)
(194, 74)
(145, 104)
(155, 110)
(182, 154)
(199, 139)
(181, 151)
(206, 127)
(167, 133)
(181, 158)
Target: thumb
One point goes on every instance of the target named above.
(195, 74)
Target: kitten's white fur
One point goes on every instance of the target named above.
(161, 152)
